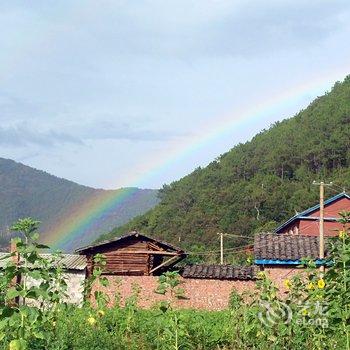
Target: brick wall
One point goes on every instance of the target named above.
(200, 293)
(280, 274)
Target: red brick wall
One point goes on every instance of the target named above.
(333, 209)
(311, 227)
(200, 293)
(280, 274)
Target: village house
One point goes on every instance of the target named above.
(133, 254)
(307, 222)
(281, 256)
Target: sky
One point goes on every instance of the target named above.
(115, 93)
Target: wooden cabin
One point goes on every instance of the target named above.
(133, 254)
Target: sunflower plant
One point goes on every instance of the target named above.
(31, 289)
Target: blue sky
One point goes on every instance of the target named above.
(113, 93)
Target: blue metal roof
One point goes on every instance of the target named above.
(303, 215)
(285, 262)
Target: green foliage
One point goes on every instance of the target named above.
(99, 261)
(169, 282)
(29, 279)
(258, 184)
(25, 191)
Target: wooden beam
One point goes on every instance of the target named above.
(164, 263)
(154, 246)
(152, 252)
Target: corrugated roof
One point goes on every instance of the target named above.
(272, 246)
(129, 235)
(69, 261)
(310, 210)
(221, 272)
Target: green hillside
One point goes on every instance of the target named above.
(25, 191)
(259, 183)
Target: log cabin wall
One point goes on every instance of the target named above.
(126, 263)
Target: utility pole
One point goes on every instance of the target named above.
(321, 228)
(221, 248)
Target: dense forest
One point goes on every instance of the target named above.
(260, 183)
(25, 191)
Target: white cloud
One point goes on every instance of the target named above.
(81, 80)
(22, 135)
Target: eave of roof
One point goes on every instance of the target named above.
(304, 213)
(68, 261)
(318, 262)
(129, 235)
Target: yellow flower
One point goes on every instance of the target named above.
(287, 283)
(91, 321)
(310, 286)
(261, 275)
(101, 313)
(342, 234)
(304, 312)
(321, 283)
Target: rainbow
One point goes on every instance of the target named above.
(72, 227)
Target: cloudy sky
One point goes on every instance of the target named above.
(124, 93)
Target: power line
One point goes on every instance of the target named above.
(234, 236)
(343, 188)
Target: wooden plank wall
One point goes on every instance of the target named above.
(125, 264)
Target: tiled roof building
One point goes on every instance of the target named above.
(272, 248)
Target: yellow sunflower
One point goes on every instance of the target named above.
(101, 313)
(287, 283)
(321, 283)
(310, 286)
(342, 234)
(91, 321)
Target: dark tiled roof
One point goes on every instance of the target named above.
(128, 235)
(68, 261)
(272, 246)
(221, 272)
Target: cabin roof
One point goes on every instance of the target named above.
(271, 248)
(221, 272)
(68, 261)
(122, 238)
(310, 210)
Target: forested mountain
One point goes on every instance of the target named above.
(259, 183)
(25, 191)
